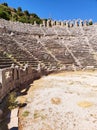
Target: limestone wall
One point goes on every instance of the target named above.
(16, 77)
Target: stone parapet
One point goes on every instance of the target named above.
(15, 77)
(29, 28)
(66, 23)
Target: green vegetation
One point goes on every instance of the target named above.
(90, 23)
(12, 14)
(25, 114)
(12, 103)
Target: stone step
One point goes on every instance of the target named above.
(28, 62)
(5, 66)
(25, 59)
(4, 63)
(4, 58)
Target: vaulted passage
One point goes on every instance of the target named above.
(63, 101)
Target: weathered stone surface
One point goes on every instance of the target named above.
(1, 114)
(46, 49)
(62, 101)
(16, 78)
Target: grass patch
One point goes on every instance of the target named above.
(26, 113)
(12, 103)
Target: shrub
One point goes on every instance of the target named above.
(15, 17)
(12, 103)
(4, 15)
(5, 4)
(90, 23)
(19, 9)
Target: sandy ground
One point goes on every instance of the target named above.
(13, 124)
(64, 101)
(0, 75)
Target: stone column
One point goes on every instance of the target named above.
(39, 68)
(62, 23)
(26, 68)
(48, 23)
(80, 23)
(41, 25)
(52, 23)
(67, 24)
(76, 23)
(44, 23)
(71, 24)
(85, 23)
(16, 73)
(90, 22)
(13, 67)
(35, 23)
(57, 23)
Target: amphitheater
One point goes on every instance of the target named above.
(62, 56)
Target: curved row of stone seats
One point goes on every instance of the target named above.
(25, 28)
(21, 27)
(40, 53)
(35, 31)
(76, 51)
(58, 51)
(61, 31)
(32, 29)
(4, 60)
(93, 43)
(78, 46)
(90, 31)
(82, 51)
(48, 31)
(75, 31)
(86, 59)
(36, 48)
(32, 45)
(16, 53)
(50, 46)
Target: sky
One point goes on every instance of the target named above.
(58, 9)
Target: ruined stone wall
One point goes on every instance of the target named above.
(29, 28)
(66, 23)
(16, 77)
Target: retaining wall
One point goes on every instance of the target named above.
(16, 77)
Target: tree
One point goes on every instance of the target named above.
(24, 19)
(5, 4)
(19, 9)
(34, 16)
(14, 10)
(18, 15)
(90, 22)
(26, 13)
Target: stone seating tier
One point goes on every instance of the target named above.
(52, 46)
